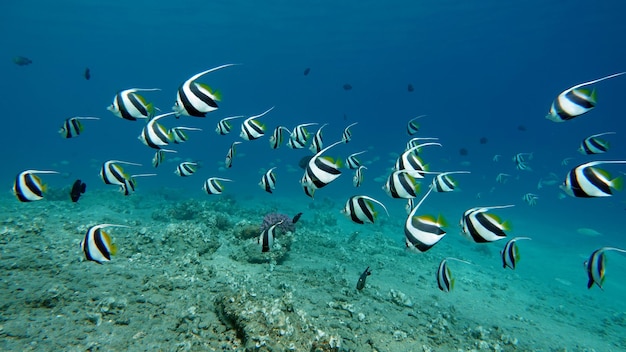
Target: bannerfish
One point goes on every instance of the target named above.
(112, 173)
(252, 129)
(268, 181)
(317, 143)
(130, 184)
(588, 181)
(352, 162)
(28, 187)
(299, 136)
(401, 184)
(277, 137)
(78, 188)
(129, 105)
(179, 135)
(213, 185)
(228, 161)
(197, 99)
(361, 283)
(159, 156)
(266, 239)
(445, 282)
(422, 232)
(72, 127)
(575, 101)
(481, 226)
(596, 266)
(154, 135)
(357, 179)
(186, 168)
(444, 183)
(346, 136)
(320, 171)
(594, 145)
(97, 245)
(224, 126)
(510, 253)
(412, 127)
(360, 209)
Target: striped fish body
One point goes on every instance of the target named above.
(228, 162)
(510, 255)
(154, 135)
(317, 143)
(128, 187)
(178, 134)
(357, 180)
(277, 137)
(346, 136)
(421, 233)
(129, 105)
(266, 239)
(97, 244)
(575, 101)
(197, 99)
(186, 168)
(360, 209)
(594, 144)
(268, 181)
(72, 127)
(112, 174)
(159, 156)
(443, 183)
(482, 227)
(352, 162)
(252, 129)
(412, 127)
(595, 267)
(299, 136)
(213, 185)
(587, 181)
(410, 161)
(400, 184)
(224, 126)
(445, 282)
(28, 187)
(320, 171)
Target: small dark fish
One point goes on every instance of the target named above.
(77, 189)
(296, 218)
(463, 152)
(347, 86)
(361, 283)
(87, 73)
(345, 117)
(410, 87)
(521, 128)
(306, 71)
(22, 61)
(483, 140)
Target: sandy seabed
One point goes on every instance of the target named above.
(189, 275)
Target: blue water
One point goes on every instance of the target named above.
(479, 70)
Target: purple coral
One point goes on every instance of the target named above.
(272, 218)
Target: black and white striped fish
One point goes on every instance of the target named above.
(28, 187)
(575, 101)
(422, 232)
(213, 185)
(346, 136)
(412, 127)
(228, 162)
(186, 168)
(521, 161)
(159, 156)
(112, 173)
(360, 209)
(594, 145)
(318, 142)
(410, 204)
(197, 99)
(410, 161)
(401, 184)
(320, 171)
(224, 126)
(129, 105)
(277, 137)
(179, 135)
(97, 245)
(252, 129)
(588, 181)
(266, 239)
(130, 183)
(510, 254)
(596, 266)
(445, 282)
(154, 135)
(357, 179)
(72, 127)
(299, 136)
(444, 183)
(530, 199)
(481, 226)
(268, 181)
(352, 162)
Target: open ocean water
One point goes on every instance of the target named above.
(189, 273)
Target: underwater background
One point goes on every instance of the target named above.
(188, 275)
